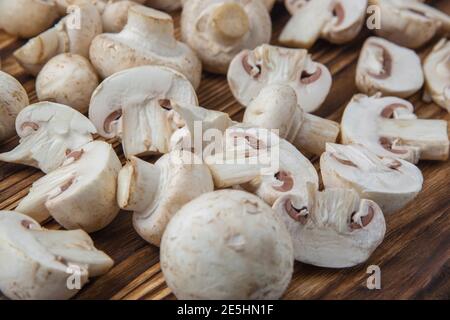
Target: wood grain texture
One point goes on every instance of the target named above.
(414, 257)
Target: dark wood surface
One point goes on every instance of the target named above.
(414, 257)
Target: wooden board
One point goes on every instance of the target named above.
(414, 257)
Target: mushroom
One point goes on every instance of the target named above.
(389, 128)
(81, 194)
(437, 74)
(142, 115)
(147, 39)
(333, 228)
(338, 21)
(48, 132)
(68, 79)
(156, 192)
(276, 107)
(409, 23)
(390, 182)
(115, 15)
(166, 5)
(251, 71)
(13, 98)
(73, 34)
(219, 29)
(27, 18)
(40, 264)
(226, 245)
(386, 67)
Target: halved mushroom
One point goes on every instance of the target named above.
(147, 39)
(276, 107)
(81, 194)
(251, 71)
(219, 29)
(226, 245)
(333, 228)
(142, 115)
(390, 182)
(13, 98)
(40, 264)
(338, 21)
(48, 132)
(437, 74)
(389, 128)
(156, 192)
(386, 67)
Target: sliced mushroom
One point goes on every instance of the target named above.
(276, 107)
(218, 30)
(389, 128)
(40, 264)
(81, 194)
(13, 98)
(229, 245)
(333, 228)
(141, 115)
(48, 132)
(156, 192)
(251, 71)
(437, 74)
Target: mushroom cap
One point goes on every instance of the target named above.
(251, 71)
(13, 98)
(386, 67)
(389, 182)
(37, 264)
(239, 235)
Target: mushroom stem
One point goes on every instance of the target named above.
(230, 21)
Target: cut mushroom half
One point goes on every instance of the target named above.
(333, 228)
(141, 116)
(251, 71)
(81, 194)
(40, 264)
(48, 132)
(389, 128)
(388, 68)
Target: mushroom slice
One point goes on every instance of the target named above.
(437, 74)
(13, 98)
(81, 194)
(333, 228)
(147, 39)
(391, 183)
(156, 192)
(276, 107)
(142, 115)
(386, 67)
(227, 245)
(48, 132)
(389, 128)
(219, 29)
(251, 71)
(40, 264)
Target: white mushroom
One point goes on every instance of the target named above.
(13, 98)
(48, 132)
(40, 264)
(147, 39)
(391, 183)
(115, 15)
(219, 29)
(226, 245)
(68, 79)
(251, 71)
(389, 128)
(333, 228)
(386, 67)
(437, 74)
(156, 192)
(142, 115)
(81, 194)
